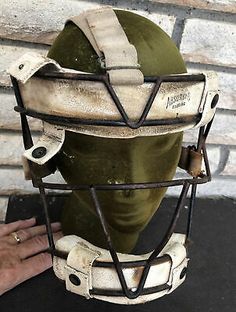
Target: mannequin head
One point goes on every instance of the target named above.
(94, 160)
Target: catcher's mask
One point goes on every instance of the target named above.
(123, 91)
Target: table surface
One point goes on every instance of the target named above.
(211, 277)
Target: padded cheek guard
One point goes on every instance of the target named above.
(89, 270)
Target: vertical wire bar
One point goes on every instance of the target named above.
(149, 103)
(200, 139)
(190, 214)
(116, 100)
(114, 256)
(47, 219)
(207, 167)
(165, 239)
(173, 223)
(27, 138)
(194, 188)
(206, 161)
(110, 245)
(203, 133)
(208, 129)
(28, 143)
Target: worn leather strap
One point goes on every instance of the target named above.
(106, 35)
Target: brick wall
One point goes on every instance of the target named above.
(205, 33)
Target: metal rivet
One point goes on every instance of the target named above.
(39, 152)
(74, 279)
(214, 101)
(21, 66)
(183, 273)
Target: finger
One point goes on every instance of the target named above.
(6, 229)
(11, 239)
(25, 234)
(35, 245)
(33, 266)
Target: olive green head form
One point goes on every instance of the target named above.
(94, 160)
(157, 53)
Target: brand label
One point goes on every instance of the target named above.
(178, 100)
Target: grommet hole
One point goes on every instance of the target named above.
(74, 279)
(183, 273)
(214, 101)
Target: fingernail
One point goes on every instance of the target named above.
(31, 219)
(56, 225)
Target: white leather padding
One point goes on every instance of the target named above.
(81, 257)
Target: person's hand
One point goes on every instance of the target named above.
(22, 251)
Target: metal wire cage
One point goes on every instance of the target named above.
(186, 183)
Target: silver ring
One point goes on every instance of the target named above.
(16, 237)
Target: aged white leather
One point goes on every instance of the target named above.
(82, 254)
(86, 100)
(101, 26)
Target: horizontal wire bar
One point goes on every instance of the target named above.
(105, 77)
(59, 120)
(128, 186)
